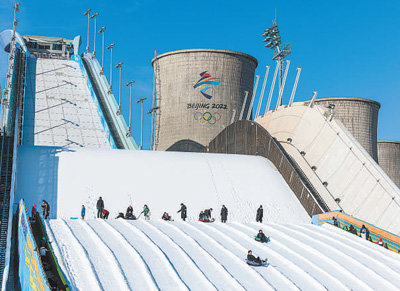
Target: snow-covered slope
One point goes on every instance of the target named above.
(68, 178)
(98, 255)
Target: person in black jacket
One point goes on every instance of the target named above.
(46, 209)
(207, 213)
(100, 207)
(129, 211)
(224, 214)
(252, 258)
(261, 236)
(260, 214)
(183, 211)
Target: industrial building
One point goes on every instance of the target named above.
(359, 116)
(199, 92)
(389, 159)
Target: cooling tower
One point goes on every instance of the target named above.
(360, 116)
(389, 159)
(199, 92)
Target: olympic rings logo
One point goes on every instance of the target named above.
(207, 117)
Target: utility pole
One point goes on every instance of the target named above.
(102, 30)
(88, 26)
(94, 48)
(130, 83)
(119, 65)
(110, 47)
(141, 126)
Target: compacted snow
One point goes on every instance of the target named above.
(69, 178)
(151, 255)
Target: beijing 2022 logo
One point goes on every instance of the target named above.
(205, 83)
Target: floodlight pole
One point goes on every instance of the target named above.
(294, 87)
(279, 103)
(119, 65)
(130, 83)
(88, 28)
(141, 123)
(94, 45)
(102, 30)
(110, 47)
(262, 91)
(271, 91)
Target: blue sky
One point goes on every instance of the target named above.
(345, 48)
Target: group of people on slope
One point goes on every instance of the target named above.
(205, 215)
(45, 210)
(364, 232)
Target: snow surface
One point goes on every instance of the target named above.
(155, 254)
(68, 178)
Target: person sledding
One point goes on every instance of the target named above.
(252, 260)
(129, 213)
(166, 217)
(261, 237)
(205, 216)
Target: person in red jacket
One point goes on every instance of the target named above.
(34, 210)
(105, 214)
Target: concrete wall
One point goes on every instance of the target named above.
(360, 116)
(389, 159)
(336, 164)
(185, 113)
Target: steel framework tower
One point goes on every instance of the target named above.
(281, 50)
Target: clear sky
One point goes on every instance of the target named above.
(345, 48)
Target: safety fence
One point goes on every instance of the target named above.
(249, 138)
(344, 221)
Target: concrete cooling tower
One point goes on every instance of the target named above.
(199, 92)
(389, 159)
(360, 117)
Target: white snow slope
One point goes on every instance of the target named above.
(159, 255)
(68, 178)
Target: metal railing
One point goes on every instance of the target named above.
(250, 138)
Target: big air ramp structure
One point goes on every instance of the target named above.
(341, 170)
(199, 92)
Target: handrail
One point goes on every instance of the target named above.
(345, 220)
(53, 260)
(110, 105)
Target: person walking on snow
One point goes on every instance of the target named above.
(83, 212)
(46, 209)
(183, 211)
(146, 212)
(363, 232)
(224, 214)
(260, 214)
(100, 207)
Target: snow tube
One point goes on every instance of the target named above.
(257, 264)
(258, 239)
(206, 220)
(131, 218)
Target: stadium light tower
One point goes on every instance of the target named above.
(119, 65)
(273, 41)
(141, 123)
(110, 47)
(130, 83)
(102, 30)
(88, 26)
(94, 48)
